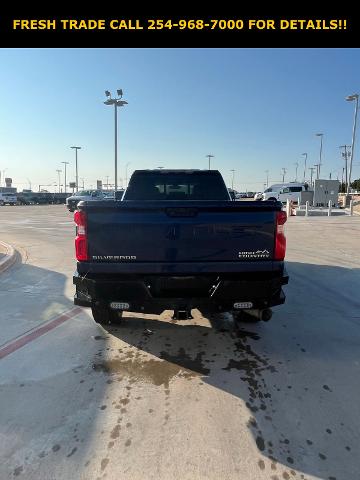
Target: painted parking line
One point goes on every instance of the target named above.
(20, 342)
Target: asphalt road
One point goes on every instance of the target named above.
(158, 399)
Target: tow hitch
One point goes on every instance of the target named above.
(182, 314)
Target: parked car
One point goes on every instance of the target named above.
(250, 194)
(8, 198)
(73, 200)
(176, 241)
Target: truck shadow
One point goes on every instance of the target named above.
(294, 374)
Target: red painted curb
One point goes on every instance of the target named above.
(20, 342)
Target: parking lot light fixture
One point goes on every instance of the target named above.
(352, 98)
(117, 102)
(76, 168)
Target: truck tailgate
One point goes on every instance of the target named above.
(131, 232)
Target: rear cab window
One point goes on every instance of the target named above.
(194, 185)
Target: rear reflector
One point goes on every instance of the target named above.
(81, 247)
(280, 239)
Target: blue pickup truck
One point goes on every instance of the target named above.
(176, 241)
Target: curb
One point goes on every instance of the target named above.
(10, 257)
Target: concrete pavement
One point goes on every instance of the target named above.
(159, 399)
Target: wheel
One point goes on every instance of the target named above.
(273, 199)
(242, 316)
(106, 316)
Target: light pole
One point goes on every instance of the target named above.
(210, 157)
(296, 169)
(3, 176)
(317, 170)
(346, 154)
(65, 163)
(59, 171)
(283, 174)
(117, 102)
(267, 178)
(311, 179)
(76, 167)
(305, 155)
(351, 98)
(232, 180)
(126, 175)
(321, 146)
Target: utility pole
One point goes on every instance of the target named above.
(283, 174)
(296, 167)
(232, 180)
(209, 157)
(311, 179)
(346, 154)
(65, 163)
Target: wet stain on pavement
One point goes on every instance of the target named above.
(18, 470)
(158, 372)
(104, 463)
(72, 452)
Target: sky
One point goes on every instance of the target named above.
(253, 109)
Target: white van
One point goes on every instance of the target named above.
(285, 191)
(8, 198)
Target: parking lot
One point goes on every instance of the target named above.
(161, 399)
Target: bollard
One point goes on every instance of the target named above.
(351, 207)
(288, 208)
(329, 211)
(307, 208)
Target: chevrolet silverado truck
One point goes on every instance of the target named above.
(176, 241)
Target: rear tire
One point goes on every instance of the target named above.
(106, 316)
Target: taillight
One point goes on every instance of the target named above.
(81, 248)
(280, 239)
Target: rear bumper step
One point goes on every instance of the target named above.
(156, 294)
